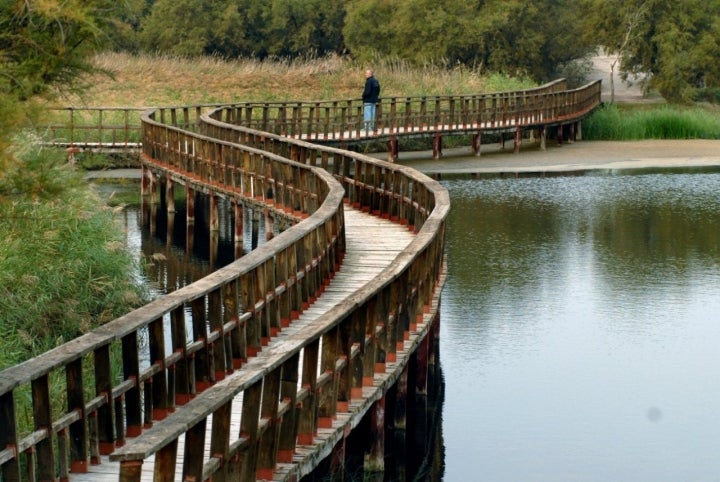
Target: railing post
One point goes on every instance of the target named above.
(42, 415)
(103, 387)
(79, 450)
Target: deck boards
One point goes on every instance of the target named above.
(372, 244)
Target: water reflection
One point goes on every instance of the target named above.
(580, 324)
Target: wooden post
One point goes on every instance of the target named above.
(375, 457)
(393, 149)
(194, 451)
(477, 143)
(130, 470)
(42, 414)
(437, 146)
(268, 443)
(190, 200)
(214, 213)
(79, 451)
(288, 422)
(165, 462)
(103, 387)
(170, 194)
(518, 140)
(238, 234)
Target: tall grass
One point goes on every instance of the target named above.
(162, 80)
(64, 268)
(611, 122)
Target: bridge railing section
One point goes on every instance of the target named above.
(93, 127)
(62, 410)
(110, 127)
(298, 387)
(338, 120)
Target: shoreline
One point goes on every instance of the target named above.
(570, 158)
(565, 159)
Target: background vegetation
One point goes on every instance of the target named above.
(58, 254)
(64, 268)
(673, 44)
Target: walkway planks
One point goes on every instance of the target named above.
(372, 244)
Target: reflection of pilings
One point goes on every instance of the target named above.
(189, 219)
(255, 233)
(214, 242)
(269, 226)
(214, 216)
(170, 195)
(375, 457)
(170, 229)
(238, 234)
(399, 426)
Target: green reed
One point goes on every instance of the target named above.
(64, 268)
(612, 122)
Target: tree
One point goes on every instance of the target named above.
(518, 37)
(305, 27)
(182, 27)
(674, 46)
(44, 44)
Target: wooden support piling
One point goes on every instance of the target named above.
(437, 146)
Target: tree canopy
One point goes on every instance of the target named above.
(42, 44)
(675, 45)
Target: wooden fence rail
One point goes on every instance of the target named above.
(136, 385)
(337, 122)
(121, 378)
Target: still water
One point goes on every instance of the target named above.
(581, 325)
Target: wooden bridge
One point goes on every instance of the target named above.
(265, 368)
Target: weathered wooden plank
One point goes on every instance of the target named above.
(347, 281)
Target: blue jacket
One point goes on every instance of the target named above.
(371, 94)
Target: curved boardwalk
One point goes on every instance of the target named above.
(363, 262)
(293, 347)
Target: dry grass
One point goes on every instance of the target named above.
(155, 80)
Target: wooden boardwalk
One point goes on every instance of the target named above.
(372, 244)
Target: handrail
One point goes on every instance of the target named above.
(403, 290)
(340, 121)
(233, 310)
(337, 121)
(238, 308)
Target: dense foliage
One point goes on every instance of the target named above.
(43, 44)
(64, 268)
(671, 45)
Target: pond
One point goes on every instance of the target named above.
(580, 325)
(581, 320)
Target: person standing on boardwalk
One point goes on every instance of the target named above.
(370, 98)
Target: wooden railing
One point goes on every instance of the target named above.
(340, 352)
(122, 381)
(120, 378)
(342, 120)
(339, 121)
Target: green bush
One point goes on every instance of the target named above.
(611, 122)
(64, 268)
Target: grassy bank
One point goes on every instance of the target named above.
(64, 268)
(627, 122)
(145, 80)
